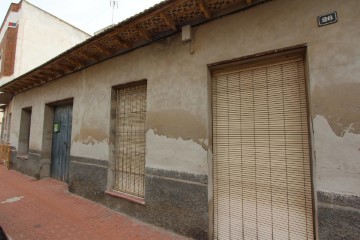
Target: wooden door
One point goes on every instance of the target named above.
(61, 142)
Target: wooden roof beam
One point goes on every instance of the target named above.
(103, 49)
(39, 80)
(145, 34)
(55, 71)
(19, 84)
(249, 2)
(158, 11)
(89, 56)
(80, 61)
(204, 9)
(28, 80)
(46, 75)
(36, 78)
(82, 58)
(168, 21)
(33, 82)
(122, 42)
(66, 67)
(75, 63)
(10, 89)
(42, 81)
(26, 88)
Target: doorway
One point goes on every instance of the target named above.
(261, 162)
(61, 140)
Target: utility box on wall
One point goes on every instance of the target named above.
(186, 33)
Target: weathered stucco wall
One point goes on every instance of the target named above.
(177, 88)
(177, 95)
(91, 90)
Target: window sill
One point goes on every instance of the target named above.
(125, 196)
(23, 156)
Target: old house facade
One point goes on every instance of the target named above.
(243, 125)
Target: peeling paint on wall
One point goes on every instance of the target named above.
(177, 124)
(340, 105)
(90, 136)
(98, 150)
(337, 159)
(175, 154)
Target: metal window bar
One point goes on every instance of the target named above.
(130, 144)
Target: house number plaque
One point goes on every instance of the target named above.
(327, 19)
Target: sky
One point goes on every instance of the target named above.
(87, 15)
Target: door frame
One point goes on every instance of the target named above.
(49, 113)
(268, 55)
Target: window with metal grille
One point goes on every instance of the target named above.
(130, 130)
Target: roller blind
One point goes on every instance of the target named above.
(261, 163)
(130, 139)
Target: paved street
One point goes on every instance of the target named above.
(36, 210)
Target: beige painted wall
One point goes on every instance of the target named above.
(178, 106)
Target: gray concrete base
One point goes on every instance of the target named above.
(31, 164)
(87, 178)
(178, 205)
(339, 216)
(174, 201)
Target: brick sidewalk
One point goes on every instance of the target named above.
(37, 210)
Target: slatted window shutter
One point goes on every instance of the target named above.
(130, 139)
(261, 166)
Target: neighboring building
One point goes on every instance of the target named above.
(29, 37)
(243, 126)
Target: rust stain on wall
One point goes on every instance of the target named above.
(177, 123)
(340, 105)
(90, 136)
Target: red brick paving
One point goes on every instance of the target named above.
(48, 211)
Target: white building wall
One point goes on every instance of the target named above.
(41, 37)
